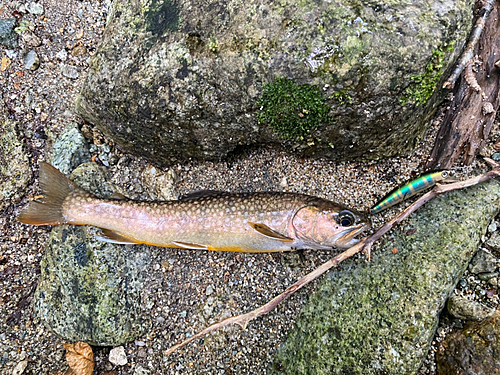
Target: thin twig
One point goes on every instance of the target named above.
(468, 52)
(363, 245)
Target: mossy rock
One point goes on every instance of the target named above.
(380, 317)
(176, 80)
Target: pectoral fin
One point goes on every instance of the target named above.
(189, 245)
(268, 232)
(107, 235)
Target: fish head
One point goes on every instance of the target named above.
(329, 225)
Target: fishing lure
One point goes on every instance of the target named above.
(412, 188)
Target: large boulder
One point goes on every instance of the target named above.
(380, 317)
(174, 80)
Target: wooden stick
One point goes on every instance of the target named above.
(363, 245)
(468, 52)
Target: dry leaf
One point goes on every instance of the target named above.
(80, 358)
(5, 64)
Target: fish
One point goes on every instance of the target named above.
(412, 188)
(251, 222)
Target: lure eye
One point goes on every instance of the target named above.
(346, 218)
(444, 174)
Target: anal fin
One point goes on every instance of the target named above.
(189, 245)
(268, 232)
(110, 236)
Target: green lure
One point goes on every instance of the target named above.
(413, 187)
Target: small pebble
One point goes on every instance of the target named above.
(31, 39)
(79, 51)
(117, 356)
(35, 8)
(20, 367)
(70, 71)
(492, 227)
(462, 308)
(482, 262)
(31, 60)
(62, 55)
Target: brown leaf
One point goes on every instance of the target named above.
(80, 358)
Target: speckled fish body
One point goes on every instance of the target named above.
(246, 222)
(412, 188)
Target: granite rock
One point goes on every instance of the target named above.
(175, 80)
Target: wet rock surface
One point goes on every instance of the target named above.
(472, 350)
(381, 316)
(173, 81)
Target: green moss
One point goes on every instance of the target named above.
(424, 84)
(162, 16)
(292, 110)
(342, 96)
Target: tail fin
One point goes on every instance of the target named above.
(55, 188)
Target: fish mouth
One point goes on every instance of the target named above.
(347, 239)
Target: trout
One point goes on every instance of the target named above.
(243, 222)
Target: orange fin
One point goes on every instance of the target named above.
(110, 236)
(268, 232)
(55, 188)
(189, 245)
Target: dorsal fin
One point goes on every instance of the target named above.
(201, 194)
(110, 236)
(268, 232)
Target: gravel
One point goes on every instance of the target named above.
(191, 289)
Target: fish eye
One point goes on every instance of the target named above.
(346, 218)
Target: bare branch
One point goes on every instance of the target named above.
(468, 52)
(364, 245)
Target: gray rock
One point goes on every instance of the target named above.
(179, 80)
(483, 262)
(15, 171)
(31, 60)
(380, 317)
(91, 290)
(8, 38)
(35, 8)
(70, 71)
(69, 150)
(494, 241)
(31, 39)
(462, 308)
